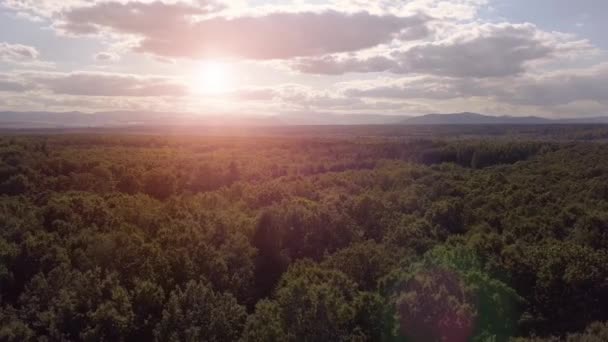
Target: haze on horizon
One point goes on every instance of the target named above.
(511, 57)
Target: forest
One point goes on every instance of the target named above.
(327, 236)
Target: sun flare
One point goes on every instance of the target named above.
(214, 78)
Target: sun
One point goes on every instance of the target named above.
(214, 78)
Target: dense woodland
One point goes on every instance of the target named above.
(326, 238)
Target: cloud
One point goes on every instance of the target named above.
(16, 53)
(558, 89)
(488, 50)
(106, 57)
(282, 35)
(156, 18)
(254, 94)
(107, 84)
(296, 97)
(36, 9)
(53, 102)
(475, 50)
(428, 87)
(337, 65)
(12, 86)
(439, 9)
(182, 31)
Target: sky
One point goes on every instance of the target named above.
(267, 57)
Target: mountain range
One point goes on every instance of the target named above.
(475, 119)
(21, 120)
(468, 118)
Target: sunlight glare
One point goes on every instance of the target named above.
(214, 78)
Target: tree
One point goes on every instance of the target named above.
(197, 313)
(313, 304)
(129, 183)
(148, 302)
(15, 185)
(266, 324)
(364, 263)
(159, 184)
(447, 297)
(270, 262)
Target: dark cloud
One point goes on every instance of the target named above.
(106, 57)
(176, 30)
(155, 18)
(489, 50)
(280, 35)
(12, 86)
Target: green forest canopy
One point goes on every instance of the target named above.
(142, 238)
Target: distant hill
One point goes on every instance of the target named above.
(306, 118)
(474, 119)
(468, 118)
(589, 120)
